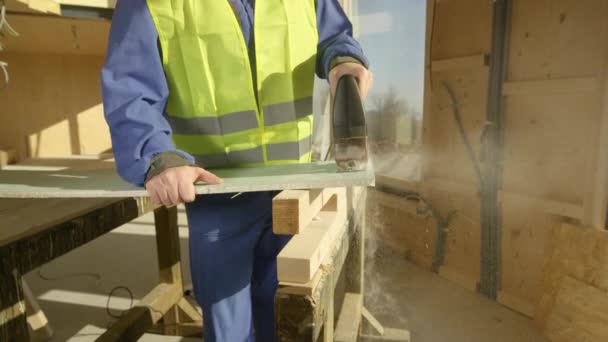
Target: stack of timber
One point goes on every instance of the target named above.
(315, 218)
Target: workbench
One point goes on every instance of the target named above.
(36, 230)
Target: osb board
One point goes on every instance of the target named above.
(553, 39)
(577, 252)
(393, 220)
(57, 35)
(544, 134)
(52, 106)
(456, 33)
(580, 313)
(73, 181)
(524, 236)
(462, 250)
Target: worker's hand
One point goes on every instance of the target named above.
(363, 76)
(175, 185)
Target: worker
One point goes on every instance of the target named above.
(192, 85)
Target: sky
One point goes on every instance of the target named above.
(392, 34)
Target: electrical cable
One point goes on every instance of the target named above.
(463, 133)
(111, 294)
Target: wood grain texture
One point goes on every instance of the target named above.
(573, 251)
(38, 181)
(53, 105)
(303, 255)
(293, 210)
(580, 313)
(347, 328)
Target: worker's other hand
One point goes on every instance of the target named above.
(175, 185)
(363, 76)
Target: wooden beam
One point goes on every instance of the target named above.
(168, 245)
(347, 329)
(144, 315)
(372, 321)
(303, 316)
(301, 257)
(293, 210)
(549, 87)
(460, 63)
(40, 329)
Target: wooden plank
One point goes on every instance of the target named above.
(520, 305)
(168, 245)
(301, 317)
(347, 328)
(580, 313)
(356, 213)
(305, 289)
(143, 316)
(372, 321)
(301, 257)
(40, 329)
(293, 210)
(460, 63)
(550, 87)
(22, 181)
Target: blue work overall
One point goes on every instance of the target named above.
(233, 264)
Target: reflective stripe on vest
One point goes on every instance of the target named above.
(215, 111)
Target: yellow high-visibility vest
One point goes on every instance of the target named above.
(215, 111)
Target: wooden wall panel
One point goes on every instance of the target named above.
(52, 106)
(546, 138)
(552, 39)
(552, 123)
(456, 45)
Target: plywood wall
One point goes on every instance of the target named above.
(553, 117)
(555, 134)
(456, 50)
(52, 105)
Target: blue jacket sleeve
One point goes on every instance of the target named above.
(335, 37)
(135, 92)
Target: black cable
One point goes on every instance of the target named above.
(108, 310)
(463, 133)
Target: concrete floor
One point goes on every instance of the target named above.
(399, 294)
